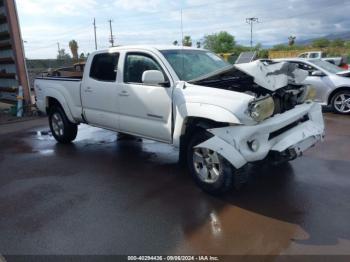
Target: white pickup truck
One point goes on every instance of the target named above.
(221, 117)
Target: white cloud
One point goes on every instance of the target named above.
(56, 8)
(44, 23)
(139, 5)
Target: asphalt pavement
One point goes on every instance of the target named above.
(104, 195)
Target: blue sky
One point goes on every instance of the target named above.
(45, 22)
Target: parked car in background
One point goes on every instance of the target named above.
(338, 61)
(220, 116)
(331, 82)
(75, 71)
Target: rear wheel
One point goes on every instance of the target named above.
(341, 102)
(213, 173)
(62, 129)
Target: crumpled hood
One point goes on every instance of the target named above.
(271, 76)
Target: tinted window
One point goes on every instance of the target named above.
(104, 67)
(136, 64)
(314, 55)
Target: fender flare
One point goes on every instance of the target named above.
(52, 93)
(200, 110)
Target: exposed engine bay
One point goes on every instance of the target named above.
(281, 81)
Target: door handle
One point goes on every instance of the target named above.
(124, 93)
(88, 89)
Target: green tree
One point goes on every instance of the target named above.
(62, 55)
(221, 42)
(187, 41)
(321, 43)
(73, 45)
(280, 47)
(338, 43)
(258, 47)
(199, 44)
(175, 43)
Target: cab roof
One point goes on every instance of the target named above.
(149, 47)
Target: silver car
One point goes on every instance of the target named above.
(331, 82)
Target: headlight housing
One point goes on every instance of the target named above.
(261, 109)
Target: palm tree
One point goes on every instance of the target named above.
(187, 41)
(291, 40)
(73, 45)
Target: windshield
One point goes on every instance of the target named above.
(191, 64)
(329, 67)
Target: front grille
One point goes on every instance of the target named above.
(290, 126)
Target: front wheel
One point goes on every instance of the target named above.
(341, 102)
(212, 173)
(61, 128)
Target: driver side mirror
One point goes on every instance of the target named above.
(153, 77)
(318, 73)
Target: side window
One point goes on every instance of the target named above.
(303, 55)
(104, 67)
(306, 67)
(136, 64)
(314, 55)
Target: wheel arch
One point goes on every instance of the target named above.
(58, 100)
(335, 91)
(191, 115)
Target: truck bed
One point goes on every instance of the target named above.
(66, 90)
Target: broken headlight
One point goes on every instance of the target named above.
(261, 109)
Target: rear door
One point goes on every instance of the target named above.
(99, 92)
(145, 110)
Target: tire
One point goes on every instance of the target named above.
(215, 185)
(339, 102)
(61, 128)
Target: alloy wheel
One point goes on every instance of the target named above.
(207, 165)
(342, 103)
(57, 124)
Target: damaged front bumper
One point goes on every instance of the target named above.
(290, 133)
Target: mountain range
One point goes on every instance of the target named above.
(342, 35)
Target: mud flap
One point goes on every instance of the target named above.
(225, 150)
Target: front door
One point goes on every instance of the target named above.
(99, 92)
(144, 109)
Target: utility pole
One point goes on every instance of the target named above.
(95, 33)
(111, 40)
(251, 21)
(182, 30)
